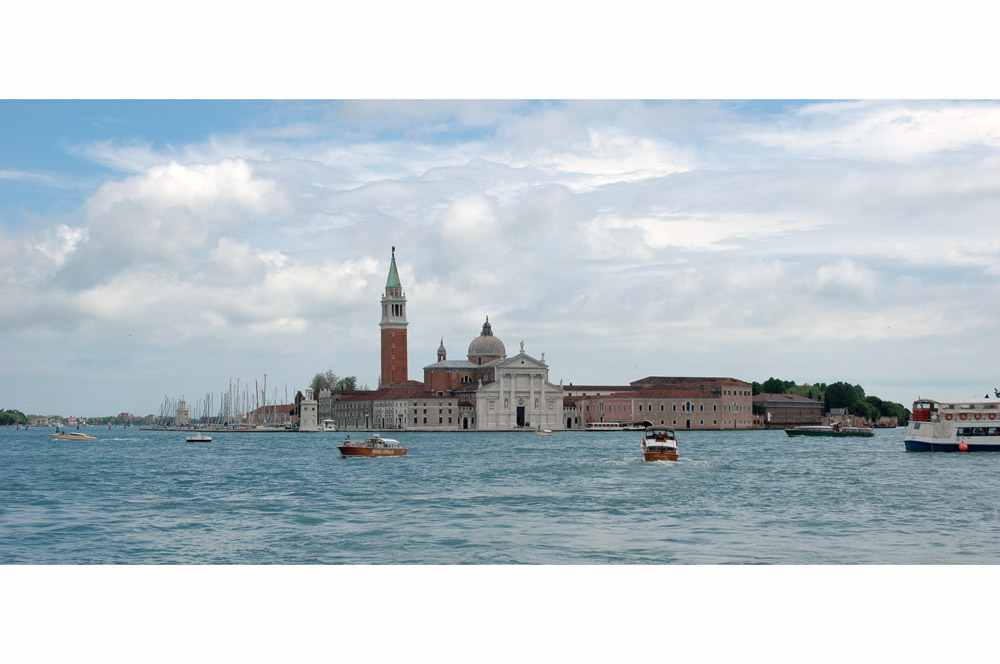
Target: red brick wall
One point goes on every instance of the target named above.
(394, 367)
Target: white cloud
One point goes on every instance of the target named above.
(595, 231)
(885, 131)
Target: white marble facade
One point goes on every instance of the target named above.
(520, 397)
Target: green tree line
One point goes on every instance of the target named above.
(11, 417)
(837, 395)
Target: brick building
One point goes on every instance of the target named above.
(780, 411)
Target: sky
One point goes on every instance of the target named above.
(157, 248)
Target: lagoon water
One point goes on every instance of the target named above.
(745, 497)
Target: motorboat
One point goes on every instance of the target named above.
(375, 446)
(954, 426)
(328, 425)
(659, 444)
(543, 432)
(199, 439)
(72, 435)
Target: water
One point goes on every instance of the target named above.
(143, 497)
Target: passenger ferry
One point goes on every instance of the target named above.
(605, 426)
(954, 426)
(832, 430)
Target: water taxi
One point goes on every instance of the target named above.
(328, 425)
(833, 430)
(376, 446)
(72, 435)
(954, 426)
(199, 439)
(659, 444)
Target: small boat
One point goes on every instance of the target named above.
(72, 435)
(833, 430)
(659, 444)
(954, 426)
(376, 446)
(199, 439)
(328, 425)
(543, 432)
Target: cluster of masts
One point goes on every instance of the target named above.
(230, 408)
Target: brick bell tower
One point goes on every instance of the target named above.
(394, 368)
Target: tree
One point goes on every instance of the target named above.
(776, 385)
(331, 381)
(323, 381)
(841, 395)
(348, 384)
(8, 417)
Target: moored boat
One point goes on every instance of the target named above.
(376, 446)
(659, 444)
(72, 435)
(954, 426)
(543, 432)
(833, 430)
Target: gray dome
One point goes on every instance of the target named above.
(486, 344)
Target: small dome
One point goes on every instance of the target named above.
(487, 345)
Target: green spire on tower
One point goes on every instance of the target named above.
(393, 280)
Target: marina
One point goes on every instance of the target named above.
(745, 497)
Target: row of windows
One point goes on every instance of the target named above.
(979, 431)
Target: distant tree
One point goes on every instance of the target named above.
(348, 383)
(331, 381)
(323, 381)
(776, 385)
(9, 417)
(841, 395)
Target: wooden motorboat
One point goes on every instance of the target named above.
(659, 444)
(376, 446)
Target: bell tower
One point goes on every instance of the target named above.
(394, 367)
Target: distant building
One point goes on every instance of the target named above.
(393, 325)
(780, 411)
(680, 402)
(181, 416)
(308, 413)
(271, 415)
(520, 396)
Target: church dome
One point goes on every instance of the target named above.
(487, 345)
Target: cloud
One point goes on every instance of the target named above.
(600, 232)
(885, 131)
